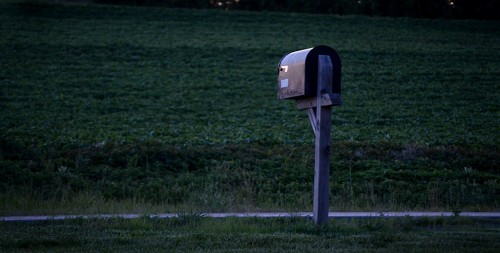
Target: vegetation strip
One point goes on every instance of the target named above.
(193, 233)
(256, 215)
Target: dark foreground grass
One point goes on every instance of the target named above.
(162, 110)
(192, 233)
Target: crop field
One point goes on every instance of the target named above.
(112, 109)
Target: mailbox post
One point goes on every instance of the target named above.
(312, 78)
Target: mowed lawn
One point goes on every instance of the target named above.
(137, 109)
(193, 233)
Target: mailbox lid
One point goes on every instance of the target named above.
(298, 72)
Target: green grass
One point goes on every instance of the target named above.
(151, 109)
(193, 233)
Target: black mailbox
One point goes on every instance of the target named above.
(298, 72)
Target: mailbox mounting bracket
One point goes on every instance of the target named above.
(333, 99)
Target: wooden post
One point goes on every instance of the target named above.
(322, 129)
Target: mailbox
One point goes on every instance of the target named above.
(298, 73)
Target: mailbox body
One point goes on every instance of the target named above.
(298, 73)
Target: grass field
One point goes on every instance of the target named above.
(192, 233)
(109, 109)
